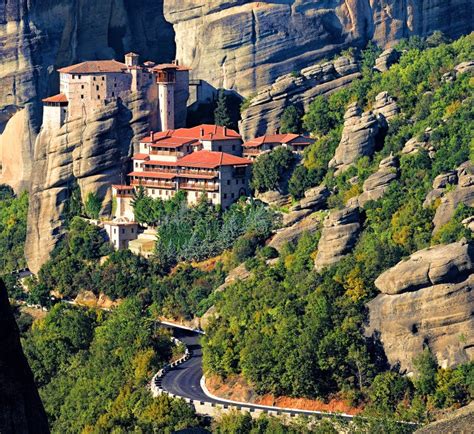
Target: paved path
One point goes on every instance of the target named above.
(185, 381)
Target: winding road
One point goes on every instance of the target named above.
(184, 381)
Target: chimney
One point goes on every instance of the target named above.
(225, 131)
(201, 131)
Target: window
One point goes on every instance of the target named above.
(115, 230)
(82, 96)
(82, 86)
(220, 148)
(132, 230)
(233, 147)
(233, 195)
(79, 76)
(123, 231)
(115, 84)
(152, 191)
(214, 195)
(225, 195)
(228, 182)
(113, 94)
(94, 78)
(98, 96)
(97, 87)
(103, 78)
(73, 76)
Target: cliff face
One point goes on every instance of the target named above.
(21, 409)
(245, 45)
(427, 300)
(91, 152)
(37, 37)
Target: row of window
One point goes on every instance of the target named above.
(236, 181)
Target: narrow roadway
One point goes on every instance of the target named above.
(185, 380)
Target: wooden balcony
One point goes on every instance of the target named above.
(154, 184)
(199, 187)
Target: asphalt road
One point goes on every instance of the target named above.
(184, 380)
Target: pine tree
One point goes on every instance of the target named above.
(221, 113)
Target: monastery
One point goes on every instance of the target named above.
(261, 145)
(93, 84)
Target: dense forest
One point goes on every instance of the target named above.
(287, 330)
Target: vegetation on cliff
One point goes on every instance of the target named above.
(291, 330)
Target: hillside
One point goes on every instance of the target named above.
(349, 276)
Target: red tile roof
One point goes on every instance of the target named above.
(211, 160)
(276, 138)
(160, 175)
(172, 142)
(94, 66)
(204, 132)
(122, 187)
(142, 157)
(60, 97)
(171, 66)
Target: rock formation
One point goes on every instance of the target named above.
(293, 231)
(92, 152)
(245, 45)
(427, 300)
(339, 235)
(386, 106)
(21, 409)
(38, 37)
(454, 421)
(416, 143)
(358, 138)
(451, 189)
(267, 106)
(377, 184)
(386, 59)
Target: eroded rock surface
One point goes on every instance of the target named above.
(451, 189)
(427, 299)
(358, 138)
(266, 108)
(339, 235)
(38, 37)
(92, 153)
(431, 266)
(378, 183)
(245, 45)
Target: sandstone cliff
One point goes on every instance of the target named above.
(21, 409)
(37, 37)
(92, 152)
(427, 300)
(245, 45)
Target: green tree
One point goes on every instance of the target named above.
(93, 205)
(426, 369)
(221, 113)
(290, 121)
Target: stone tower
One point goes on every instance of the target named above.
(166, 79)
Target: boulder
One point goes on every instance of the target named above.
(431, 266)
(377, 184)
(315, 199)
(292, 234)
(358, 138)
(439, 317)
(386, 59)
(465, 67)
(451, 198)
(274, 198)
(386, 106)
(339, 235)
